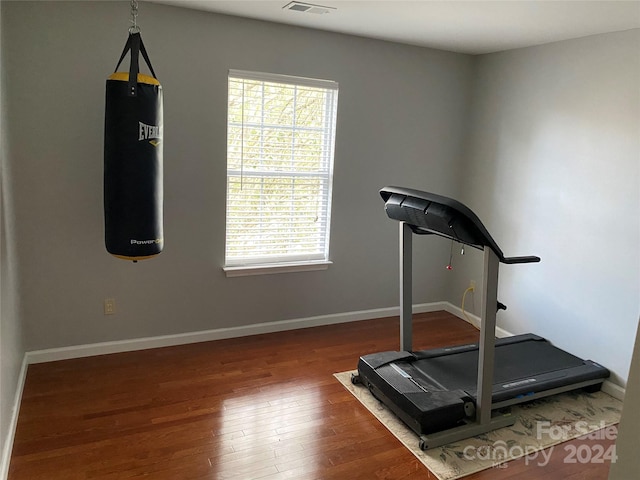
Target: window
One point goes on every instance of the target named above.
(280, 145)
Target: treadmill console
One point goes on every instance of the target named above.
(428, 213)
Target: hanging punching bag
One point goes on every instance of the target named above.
(133, 186)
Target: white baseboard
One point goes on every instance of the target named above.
(15, 410)
(616, 391)
(103, 348)
(120, 346)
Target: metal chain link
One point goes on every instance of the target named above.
(134, 28)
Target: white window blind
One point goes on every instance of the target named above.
(280, 146)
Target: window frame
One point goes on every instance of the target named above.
(285, 263)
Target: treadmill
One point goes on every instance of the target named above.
(449, 394)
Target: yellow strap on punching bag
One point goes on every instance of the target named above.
(142, 78)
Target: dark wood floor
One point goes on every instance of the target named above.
(264, 406)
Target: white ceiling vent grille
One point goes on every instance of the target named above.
(308, 8)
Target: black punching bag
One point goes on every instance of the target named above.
(133, 186)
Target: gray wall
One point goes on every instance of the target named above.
(11, 344)
(401, 114)
(553, 170)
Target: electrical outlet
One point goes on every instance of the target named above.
(109, 306)
(472, 285)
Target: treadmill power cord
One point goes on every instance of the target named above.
(464, 295)
(501, 306)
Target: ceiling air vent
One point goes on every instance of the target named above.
(308, 8)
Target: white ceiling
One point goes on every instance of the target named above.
(473, 27)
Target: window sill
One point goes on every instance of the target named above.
(268, 269)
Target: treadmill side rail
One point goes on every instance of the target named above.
(422, 407)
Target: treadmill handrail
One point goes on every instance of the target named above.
(429, 213)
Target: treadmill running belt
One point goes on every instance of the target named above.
(512, 362)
